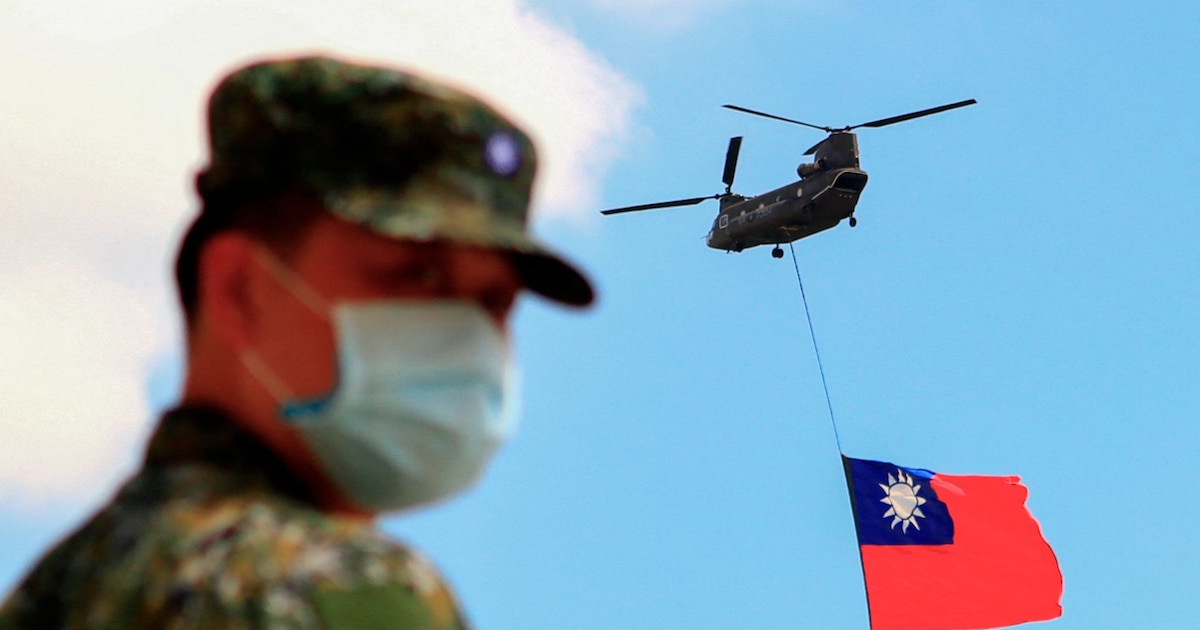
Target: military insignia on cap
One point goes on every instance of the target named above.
(502, 154)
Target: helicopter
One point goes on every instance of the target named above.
(827, 191)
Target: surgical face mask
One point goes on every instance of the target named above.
(423, 397)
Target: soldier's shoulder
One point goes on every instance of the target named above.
(299, 564)
(280, 539)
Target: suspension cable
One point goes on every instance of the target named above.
(812, 333)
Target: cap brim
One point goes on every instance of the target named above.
(439, 217)
(552, 277)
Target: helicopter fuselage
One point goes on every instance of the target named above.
(827, 192)
(788, 213)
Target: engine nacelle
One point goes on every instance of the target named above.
(810, 168)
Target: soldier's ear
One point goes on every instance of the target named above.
(225, 278)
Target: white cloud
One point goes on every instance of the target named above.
(100, 133)
(75, 347)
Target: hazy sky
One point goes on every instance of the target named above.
(1020, 295)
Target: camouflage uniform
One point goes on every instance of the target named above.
(214, 532)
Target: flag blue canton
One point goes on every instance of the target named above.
(894, 505)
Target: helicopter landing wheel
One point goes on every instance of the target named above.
(853, 222)
(777, 252)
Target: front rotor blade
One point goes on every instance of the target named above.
(661, 204)
(731, 158)
(924, 112)
(766, 115)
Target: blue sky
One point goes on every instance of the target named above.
(1019, 297)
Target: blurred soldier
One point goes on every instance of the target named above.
(347, 288)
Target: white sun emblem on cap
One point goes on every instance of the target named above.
(502, 154)
(902, 497)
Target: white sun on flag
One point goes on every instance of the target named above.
(903, 501)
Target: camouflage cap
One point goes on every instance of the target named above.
(402, 155)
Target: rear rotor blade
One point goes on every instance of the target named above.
(766, 115)
(924, 112)
(731, 158)
(661, 204)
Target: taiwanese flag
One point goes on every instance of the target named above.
(949, 551)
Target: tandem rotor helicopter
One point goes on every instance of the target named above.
(827, 192)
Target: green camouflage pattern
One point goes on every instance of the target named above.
(403, 155)
(214, 533)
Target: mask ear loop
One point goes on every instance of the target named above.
(308, 296)
(265, 375)
(292, 282)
